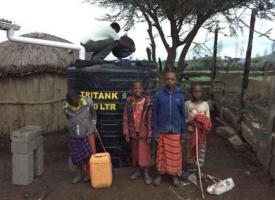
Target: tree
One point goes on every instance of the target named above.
(185, 18)
(273, 47)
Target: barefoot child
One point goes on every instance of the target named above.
(169, 129)
(197, 115)
(81, 116)
(137, 130)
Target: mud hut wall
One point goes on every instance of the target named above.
(34, 99)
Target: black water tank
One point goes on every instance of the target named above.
(109, 86)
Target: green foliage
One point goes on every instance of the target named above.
(181, 11)
(257, 64)
(185, 18)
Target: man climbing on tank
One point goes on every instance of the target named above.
(101, 42)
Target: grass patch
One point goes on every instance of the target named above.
(201, 78)
(260, 78)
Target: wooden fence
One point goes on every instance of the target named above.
(207, 73)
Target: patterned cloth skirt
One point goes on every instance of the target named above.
(190, 157)
(169, 154)
(80, 150)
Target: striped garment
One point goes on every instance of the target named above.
(204, 126)
(190, 156)
(169, 154)
(80, 150)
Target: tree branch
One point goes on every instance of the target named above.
(258, 32)
(151, 36)
(154, 17)
(200, 20)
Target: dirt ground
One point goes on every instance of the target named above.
(222, 161)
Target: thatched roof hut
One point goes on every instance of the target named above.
(18, 59)
(33, 84)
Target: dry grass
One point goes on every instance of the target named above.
(22, 59)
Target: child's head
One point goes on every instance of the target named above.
(196, 92)
(137, 89)
(170, 79)
(73, 98)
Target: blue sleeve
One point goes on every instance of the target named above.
(155, 125)
(183, 127)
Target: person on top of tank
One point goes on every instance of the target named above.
(102, 41)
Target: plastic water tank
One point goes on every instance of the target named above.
(109, 86)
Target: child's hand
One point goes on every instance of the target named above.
(127, 138)
(148, 140)
(192, 123)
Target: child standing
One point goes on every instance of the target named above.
(169, 129)
(198, 115)
(81, 116)
(138, 131)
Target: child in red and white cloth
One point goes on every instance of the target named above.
(197, 116)
(138, 131)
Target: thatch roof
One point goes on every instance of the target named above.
(18, 59)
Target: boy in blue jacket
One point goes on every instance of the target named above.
(169, 128)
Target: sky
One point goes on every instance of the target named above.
(72, 19)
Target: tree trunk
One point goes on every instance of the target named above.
(188, 42)
(181, 63)
(170, 61)
(247, 67)
(153, 44)
(151, 36)
(149, 54)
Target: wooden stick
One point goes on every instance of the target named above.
(198, 163)
(42, 197)
(246, 70)
(214, 63)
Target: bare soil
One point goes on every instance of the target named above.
(222, 161)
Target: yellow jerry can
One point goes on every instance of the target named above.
(101, 170)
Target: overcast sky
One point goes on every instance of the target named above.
(71, 19)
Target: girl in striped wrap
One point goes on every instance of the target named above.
(197, 115)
